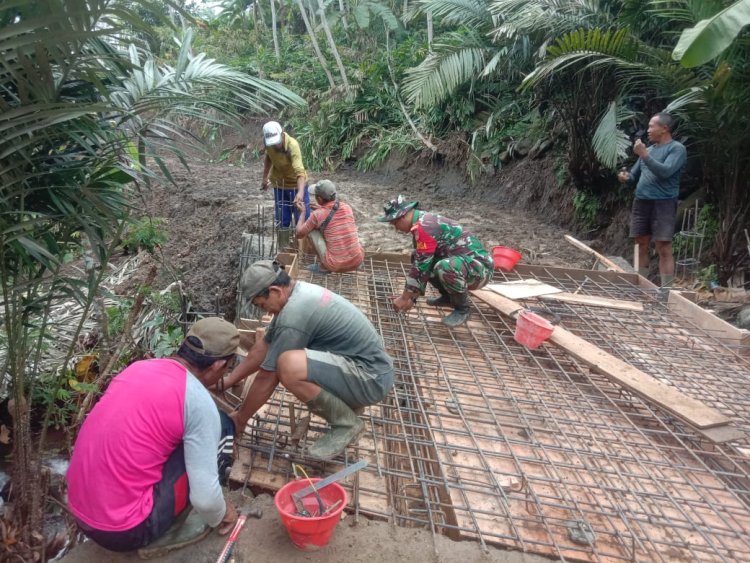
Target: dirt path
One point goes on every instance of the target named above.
(214, 203)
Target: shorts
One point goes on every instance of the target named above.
(654, 217)
(345, 379)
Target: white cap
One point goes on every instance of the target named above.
(272, 133)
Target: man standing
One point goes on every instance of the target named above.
(332, 231)
(283, 168)
(150, 445)
(657, 179)
(446, 255)
(320, 347)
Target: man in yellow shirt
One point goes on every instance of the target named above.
(283, 168)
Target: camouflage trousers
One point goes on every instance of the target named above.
(459, 274)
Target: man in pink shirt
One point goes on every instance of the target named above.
(332, 232)
(148, 449)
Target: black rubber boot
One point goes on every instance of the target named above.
(443, 300)
(345, 425)
(461, 310)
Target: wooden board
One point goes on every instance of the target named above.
(523, 289)
(595, 301)
(686, 408)
(577, 274)
(731, 336)
(599, 257)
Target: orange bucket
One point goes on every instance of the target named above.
(532, 330)
(505, 258)
(310, 533)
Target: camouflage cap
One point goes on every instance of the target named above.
(396, 208)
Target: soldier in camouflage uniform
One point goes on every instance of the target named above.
(446, 255)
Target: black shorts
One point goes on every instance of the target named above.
(653, 217)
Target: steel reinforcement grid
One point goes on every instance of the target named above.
(484, 439)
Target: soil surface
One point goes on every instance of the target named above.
(210, 206)
(265, 540)
(204, 215)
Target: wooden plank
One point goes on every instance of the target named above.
(730, 335)
(599, 257)
(523, 289)
(402, 258)
(686, 408)
(595, 301)
(557, 272)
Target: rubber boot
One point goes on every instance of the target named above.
(461, 310)
(443, 300)
(187, 529)
(345, 425)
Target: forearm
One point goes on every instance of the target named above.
(258, 394)
(250, 364)
(266, 168)
(301, 181)
(666, 169)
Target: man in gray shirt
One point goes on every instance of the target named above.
(320, 347)
(657, 178)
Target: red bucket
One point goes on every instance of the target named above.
(505, 258)
(532, 330)
(310, 533)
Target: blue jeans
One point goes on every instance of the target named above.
(283, 199)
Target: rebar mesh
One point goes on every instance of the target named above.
(485, 439)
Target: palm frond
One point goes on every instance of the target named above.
(587, 48)
(546, 18)
(445, 69)
(472, 13)
(610, 144)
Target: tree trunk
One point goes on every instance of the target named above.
(332, 45)
(274, 32)
(259, 11)
(311, 33)
(429, 32)
(342, 9)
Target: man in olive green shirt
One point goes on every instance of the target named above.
(283, 168)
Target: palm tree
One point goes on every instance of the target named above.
(74, 98)
(332, 45)
(314, 41)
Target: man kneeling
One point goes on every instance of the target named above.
(151, 444)
(320, 347)
(332, 231)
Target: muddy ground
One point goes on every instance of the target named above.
(204, 216)
(212, 204)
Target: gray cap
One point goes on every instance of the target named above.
(324, 189)
(258, 277)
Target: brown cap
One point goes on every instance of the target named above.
(217, 337)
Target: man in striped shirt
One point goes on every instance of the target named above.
(332, 232)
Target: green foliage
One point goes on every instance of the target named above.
(146, 234)
(707, 224)
(117, 315)
(712, 36)
(708, 275)
(587, 207)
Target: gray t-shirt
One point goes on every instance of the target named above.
(658, 177)
(318, 319)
